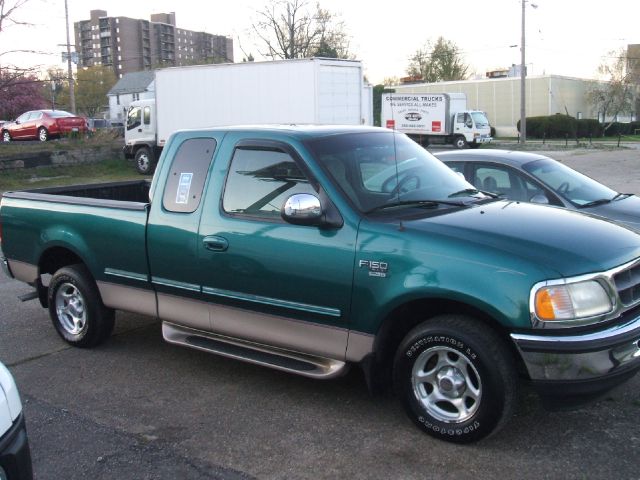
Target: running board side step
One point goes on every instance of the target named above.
(256, 353)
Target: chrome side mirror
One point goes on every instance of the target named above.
(302, 209)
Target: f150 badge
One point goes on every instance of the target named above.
(376, 269)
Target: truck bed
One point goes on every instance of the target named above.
(130, 195)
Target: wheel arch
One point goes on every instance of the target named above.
(403, 318)
(56, 257)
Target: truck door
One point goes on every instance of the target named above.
(269, 281)
(140, 124)
(172, 230)
(464, 125)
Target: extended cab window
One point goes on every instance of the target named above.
(185, 182)
(260, 180)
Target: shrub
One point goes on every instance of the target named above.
(589, 127)
(552, 126)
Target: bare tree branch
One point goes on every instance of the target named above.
(614, 94)
(291, 29)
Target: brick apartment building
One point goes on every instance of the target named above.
(131, 45)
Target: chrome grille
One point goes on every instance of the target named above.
(628, 285)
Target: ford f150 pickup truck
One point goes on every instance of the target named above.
(310, 249)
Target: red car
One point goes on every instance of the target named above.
(43, 125)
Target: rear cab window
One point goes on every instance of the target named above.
(187, 175)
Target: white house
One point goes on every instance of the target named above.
(132, 86)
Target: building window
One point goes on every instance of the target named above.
(117, 99)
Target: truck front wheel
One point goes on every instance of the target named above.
(76, 309)
(145, 161)
(459, 142)
(455, 378)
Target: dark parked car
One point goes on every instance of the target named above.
(529, 177)
(43, 125)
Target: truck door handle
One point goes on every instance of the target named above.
(139, 130)
(215, 243)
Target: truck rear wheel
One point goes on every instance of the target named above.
(455, 378)
(459, 142)
(76, 309)
(145, 161)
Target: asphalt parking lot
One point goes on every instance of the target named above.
(139, 408)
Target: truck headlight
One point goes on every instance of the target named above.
(572, 301)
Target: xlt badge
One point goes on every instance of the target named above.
(376, 269)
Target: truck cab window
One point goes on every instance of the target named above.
(260, 180)
(146, 118)
(185, 181)
(134, 118)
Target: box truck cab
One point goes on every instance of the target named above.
(436, 118)
(140, 135)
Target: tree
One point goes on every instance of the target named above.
(12, 74)
(93, 85)
(19, 94)
(615, 93)
(438, 62)
(289, 29)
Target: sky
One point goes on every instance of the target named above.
(563, 37)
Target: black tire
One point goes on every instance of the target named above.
(76, 309)
(43, 134)
(6, 136)
(459, 142)
(456, 378)
(145, 161)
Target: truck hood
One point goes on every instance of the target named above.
(557, 239)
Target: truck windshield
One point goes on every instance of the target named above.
(377, 169)
(480, 119)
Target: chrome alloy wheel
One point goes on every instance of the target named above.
(447, 384)
(70, 308)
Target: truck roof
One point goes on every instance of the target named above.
(295, 130)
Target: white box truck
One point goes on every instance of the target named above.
(306, 91)
(438, 118)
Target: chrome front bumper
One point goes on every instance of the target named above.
(596, 358)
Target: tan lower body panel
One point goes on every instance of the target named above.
(25, 272)
(306, 337)
(129, 299)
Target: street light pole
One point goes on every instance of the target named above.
(72, 90)
(523, 76)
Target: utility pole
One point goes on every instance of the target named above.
(523, 77)
(72, 90)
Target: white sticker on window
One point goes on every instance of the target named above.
(184, 186)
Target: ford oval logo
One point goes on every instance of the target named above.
(413, 116)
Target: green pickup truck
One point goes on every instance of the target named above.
(311, 249)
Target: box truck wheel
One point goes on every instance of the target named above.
(456, 379)
(459, 142)
(145, 161)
